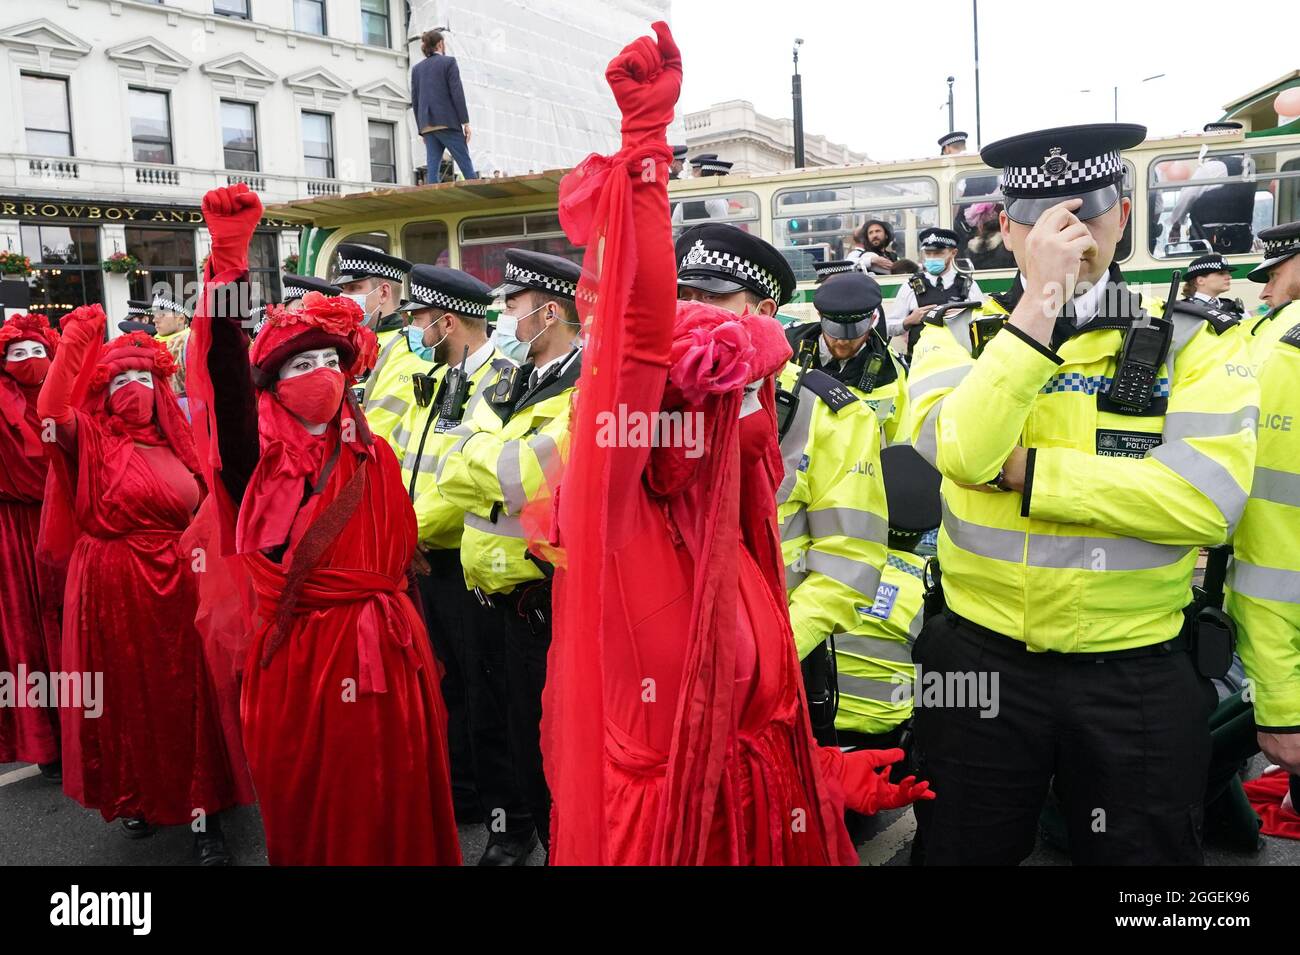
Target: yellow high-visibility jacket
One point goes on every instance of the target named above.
(832, 510)
(874, 662)
(388, 394)
(1264, 580)
(513, 451)
(888, 399)
(422, 439)
(1258, 333)
(1098, 552)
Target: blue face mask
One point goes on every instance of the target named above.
(935, 266)
(415, 338)
(506, 341)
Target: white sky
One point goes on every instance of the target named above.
(865, 87)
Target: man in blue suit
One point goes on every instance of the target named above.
(439, 103)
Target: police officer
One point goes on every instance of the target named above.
(830, 502)
(515, 442)
(1207, 281)
(873, 662)
(1280, 275)
(373, 279)
(171, 321)
(679, 162)
(1264, 579)
(824, 270)
(139, 317)
(953, 143)
(449, 308)
(699, 210)
(937, 283)
(847, 345)
(1089, 447)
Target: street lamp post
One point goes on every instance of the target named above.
(1115, 93)
(975, 4)
(796, 93)
(951, 124)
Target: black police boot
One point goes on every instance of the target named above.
(137, 828)
(210, 846)
(507, 850)
(52, 771)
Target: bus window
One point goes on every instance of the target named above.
(976, 205)
(483, 242)
(380, 240)
(738, 209)
(811, 225)
(426, 243)
(1220, 201)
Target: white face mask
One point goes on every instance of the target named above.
(360, 299)
(507, 342)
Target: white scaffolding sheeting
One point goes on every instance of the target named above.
(534, 75)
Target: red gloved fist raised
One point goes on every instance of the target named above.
(646, 79)
(232, 214)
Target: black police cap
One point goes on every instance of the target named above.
(1207, 264)
(355, 262)
(1048, 166)
(936, 238)
(825, 270)
(294, 287)
(552, 274)
(956, 136)
(433, 286)
(1280, 243)
(720, 258)
(848, 304)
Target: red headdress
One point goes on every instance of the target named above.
(90, 395)
(14, 408)
(289, 454)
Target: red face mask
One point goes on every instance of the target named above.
(313, 397)
(133, 403)
(30, 372)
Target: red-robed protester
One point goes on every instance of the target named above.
(124, 486)
(31, 593)
(675, 728)
(344, 726)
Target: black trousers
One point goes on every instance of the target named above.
(527, 615)
(1126, 739)
(469, 640)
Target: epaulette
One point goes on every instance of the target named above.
(1218, 319)
(836, 395)
(948, 312)
(1293, 336)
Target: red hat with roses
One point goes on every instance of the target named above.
(322, 322)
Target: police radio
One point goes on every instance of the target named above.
(1146, 345)
(453, 399)
(787, 402)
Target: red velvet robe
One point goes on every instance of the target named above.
(345, 729)
(778, 798)
(31, 593)
(156, 749)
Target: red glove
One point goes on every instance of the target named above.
(867, 788)
(232, 213)
(646, 80)
(81, 331)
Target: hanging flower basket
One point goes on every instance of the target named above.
(15, 264)
(121, 263)
(290, 264)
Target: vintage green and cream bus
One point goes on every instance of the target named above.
(1224, 189)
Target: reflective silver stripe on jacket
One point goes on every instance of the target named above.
(857, 575)
(873, 648)
(1265, 583)
(1279, 487)
(510, 477)
(1180, 425)
(795, 526)
(503, 526)
(795, 444)
(1206, 475)
(850, 522)
(878, 690)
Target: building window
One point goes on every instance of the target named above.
(483, 242)
(318, 144)
(66, 260)
(309, 16)
(374, 24)
(239, 135)
(151, 126)
(231, 8)
(383, 152)
(167, 260)
(812, 225)
(264, 266)
(1221, 201)
(379, 240)
(45, 110)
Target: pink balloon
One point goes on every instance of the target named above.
(1177, 171)
(1288, 102)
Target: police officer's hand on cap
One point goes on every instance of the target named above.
(1054, 248)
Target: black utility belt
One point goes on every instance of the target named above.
(1178, 644)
